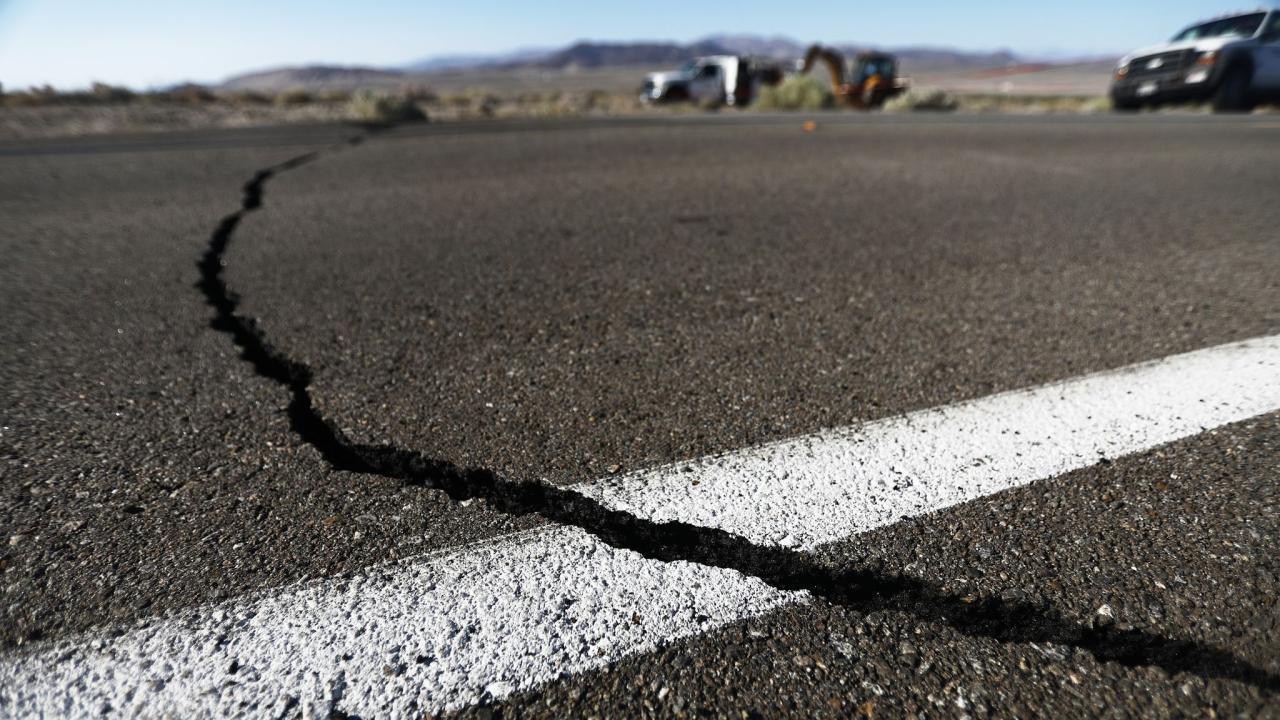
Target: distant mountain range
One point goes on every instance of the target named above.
(597, 55)
(313, 77)
(603, 55)
(462, 62)
(780, 46)
(630, 54)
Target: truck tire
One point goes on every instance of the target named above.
(1233, 94)
(674, 93)
(1125, 105)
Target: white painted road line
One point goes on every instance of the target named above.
(445, 631)
(822, 488)
(429, 635)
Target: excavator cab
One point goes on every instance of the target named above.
(874, 77)
(879, 66)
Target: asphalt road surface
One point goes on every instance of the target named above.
(322, 421)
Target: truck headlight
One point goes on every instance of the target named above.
(1122, 71)
(1203, 65)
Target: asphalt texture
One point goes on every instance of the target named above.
(563, 301)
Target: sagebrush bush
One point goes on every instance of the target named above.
(247, 97)
(190, 94)
(418, 93)
(333, 96)
(923, 100)
(293, 96)
(44, 95)
(798, 92)
(34, 97)
(381, 107)
(104, 93)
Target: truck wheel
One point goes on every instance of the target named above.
(1232, 94)
(1125, 106)
(711, 103)
(676, 93)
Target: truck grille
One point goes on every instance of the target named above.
(1160, 63)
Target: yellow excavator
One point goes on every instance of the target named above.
(872, 80)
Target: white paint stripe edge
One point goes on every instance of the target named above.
(448, 630)
(825, 487)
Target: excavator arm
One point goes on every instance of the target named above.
(835, 65)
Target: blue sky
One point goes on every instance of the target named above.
(151, 42)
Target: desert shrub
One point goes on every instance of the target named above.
(489, 104)
(458, 100)
(247, 97)
(333, 96)
(596, 99)
(35, 96)
(293, 96)
(371, 106)
(18, 99)
(923, 100)
(104, 93)
(418, 93)
(798, 92)
(190, 94)
(42, 95)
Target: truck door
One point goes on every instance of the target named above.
(1266, 72)
(707, 83)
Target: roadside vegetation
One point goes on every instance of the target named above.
(371, 106)
(1036, 104)
(923, 100)
(47, 112)
(798, 92)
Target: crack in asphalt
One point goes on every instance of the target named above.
(862, 590)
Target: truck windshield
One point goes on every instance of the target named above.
(1239, 26)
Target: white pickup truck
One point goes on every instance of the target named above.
(715, 79)
(1233, 62)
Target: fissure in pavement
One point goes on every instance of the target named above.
(789, 570)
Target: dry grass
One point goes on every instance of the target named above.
(923, 100)
(1035, 104)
